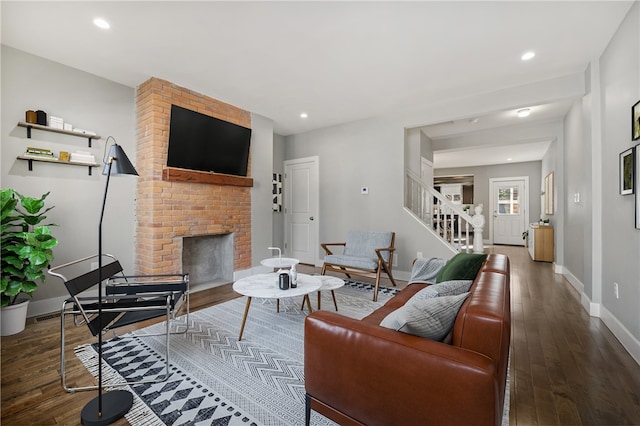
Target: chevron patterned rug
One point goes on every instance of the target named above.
(218, 380)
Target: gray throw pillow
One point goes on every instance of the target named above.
(447, 288)
(432, 318)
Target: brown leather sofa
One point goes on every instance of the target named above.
(359, 373)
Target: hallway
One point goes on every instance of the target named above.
(567, 368)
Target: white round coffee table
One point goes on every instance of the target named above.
(279, 262)
(266, 286)
(329, 283)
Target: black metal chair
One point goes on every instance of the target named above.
(126, 300)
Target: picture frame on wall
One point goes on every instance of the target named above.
(637, 179)
(627, 171)
(635, 121)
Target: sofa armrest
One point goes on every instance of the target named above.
(380, 376)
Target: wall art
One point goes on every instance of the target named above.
(627, 171)
(635, 121)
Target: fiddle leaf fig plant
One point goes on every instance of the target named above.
(27, 244)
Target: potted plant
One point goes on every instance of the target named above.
(27, 249)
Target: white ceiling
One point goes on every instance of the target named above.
(337, 61)
(505, 147)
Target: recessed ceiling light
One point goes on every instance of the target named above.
(101, 23)
(304, 115)
(474, 120)
(524, 112)
(509, 159)
(528, 55)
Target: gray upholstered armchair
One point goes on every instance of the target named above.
(365, 253)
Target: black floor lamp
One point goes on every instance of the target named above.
(109, 407)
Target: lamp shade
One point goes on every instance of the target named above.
(120, 164)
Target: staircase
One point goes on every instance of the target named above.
(448, 221)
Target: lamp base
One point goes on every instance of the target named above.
(115, 405)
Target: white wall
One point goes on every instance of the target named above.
(261, 172)
(365, 153)
(620, 89)
(88, 102)
(576, 168)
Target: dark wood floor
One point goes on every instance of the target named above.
(566, 368)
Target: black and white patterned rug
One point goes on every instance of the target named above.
(218, 380)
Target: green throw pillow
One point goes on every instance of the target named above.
(462, 266)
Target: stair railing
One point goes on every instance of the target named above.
(442, 217)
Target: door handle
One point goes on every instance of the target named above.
(311, 218)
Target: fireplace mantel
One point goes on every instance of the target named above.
(193, 176)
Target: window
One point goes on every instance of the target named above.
(508, 200)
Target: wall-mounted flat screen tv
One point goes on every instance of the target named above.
(201, 142)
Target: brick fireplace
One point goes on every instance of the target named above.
(169, 211)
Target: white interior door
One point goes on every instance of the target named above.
(301, 201)
(509, 211)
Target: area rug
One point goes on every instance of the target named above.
(218, 380)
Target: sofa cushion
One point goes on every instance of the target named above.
(352, 261)
(445, 288)
(462, 266)
(431, 318)
(363, 244)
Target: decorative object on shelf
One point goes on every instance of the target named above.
(82, 157)
(112, 405)
(64, 156)
(56, 122)
(548, 194)
(635, 121)
(626, 171)
(84, 133)
(31, 117)
(41, 117)
(27, 249)
(276, 183)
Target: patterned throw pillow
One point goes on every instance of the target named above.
(432, 318)
(448, 288)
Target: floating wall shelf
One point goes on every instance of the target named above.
(30, 126)
(48, 160)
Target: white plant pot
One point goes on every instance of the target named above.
(14, 318)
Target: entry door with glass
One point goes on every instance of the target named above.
(509, 221)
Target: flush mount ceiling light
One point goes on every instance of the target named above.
(524, 112)
(101, 23)
(304, 115)
(528, 55)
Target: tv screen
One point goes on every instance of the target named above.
(201, 142)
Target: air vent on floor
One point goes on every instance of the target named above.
(48, 317)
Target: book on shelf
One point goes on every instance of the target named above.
(32, 150)
(40, 156)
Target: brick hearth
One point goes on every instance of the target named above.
(167, 211)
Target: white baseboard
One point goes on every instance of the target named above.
(47, 306)
(630, 343)
(573, 280)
